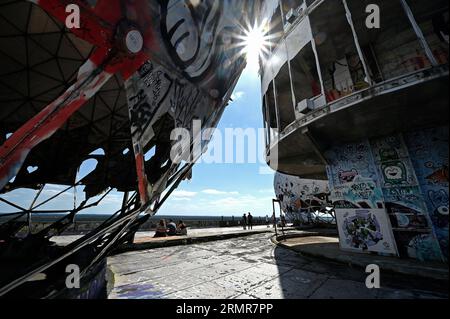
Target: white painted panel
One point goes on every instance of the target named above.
(300, 36)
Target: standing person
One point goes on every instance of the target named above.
(267, 221)
(161, 229)
(244, 221)
(250, 221)
(283, 221)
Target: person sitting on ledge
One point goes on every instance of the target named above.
(161, 229)
(182, 228)
(171, 228)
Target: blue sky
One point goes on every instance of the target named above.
(215, 189)
(230, 189)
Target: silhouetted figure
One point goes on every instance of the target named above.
(244, 221)
(283, 221)
(250, 221)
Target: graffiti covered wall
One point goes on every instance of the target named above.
(401, 181)
(362, 221)
(303, 199)
(403, 199)
(429, 155)
(296, 194)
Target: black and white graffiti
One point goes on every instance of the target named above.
(194, 70)
(202, 39)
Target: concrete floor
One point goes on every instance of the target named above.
(143, 236)
(245, 268)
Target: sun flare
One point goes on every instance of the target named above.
(256, 42)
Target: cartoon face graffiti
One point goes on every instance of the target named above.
(388, 154)
(202, 37)
(394, 172)
(347, 176)
(189, 28)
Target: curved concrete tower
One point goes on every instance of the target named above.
(356, 92)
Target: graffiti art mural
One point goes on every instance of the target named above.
(360, 193)
(429, 155)
(407, 177)
(353, 177)
(362, 221)
(404, 200)
(346, 162)
(365, 231)
(297, 195)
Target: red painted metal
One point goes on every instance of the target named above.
(100, 26)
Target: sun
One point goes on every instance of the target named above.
(255, 43)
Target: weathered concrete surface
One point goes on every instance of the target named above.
(145, 240)
(328, 247)
(248, 267)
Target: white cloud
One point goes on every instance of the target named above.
(217, 192)
(237, 95)
(222, 203)
(183, 194)
(54, 192)
(182, 199)
(114, 199)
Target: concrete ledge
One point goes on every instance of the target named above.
(153, 243)
(324, 247)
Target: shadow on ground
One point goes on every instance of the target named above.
(304, 276)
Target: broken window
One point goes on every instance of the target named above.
(394, 49)
(271, 108)
(305, 78)
(341, 68)
(433, 19)
(284, 97)
(291, 10)
(266, 120)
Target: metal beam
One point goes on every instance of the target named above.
(358, 46)
(419, 33)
